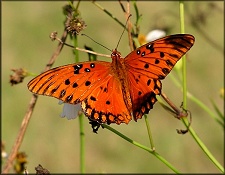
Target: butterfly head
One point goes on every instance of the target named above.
(115, 54)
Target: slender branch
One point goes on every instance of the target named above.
(29, 112)
(82, 50)
(82, 144)
(129, 27)
(108, 13)
(149, 133)
(178, 113)
(176, 109)
(95, 53)
(142, 147)
(21, 133)
(58, 50)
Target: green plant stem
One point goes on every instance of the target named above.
(82, 144)
(149, 133)
(205, 149)
(194, 99)
(32, 74)
(142, 147)
(77, 6)
(197, 101)
(220, 118)
(138, 18)
(184, 64)
(81, 123)
(204, 107)
(76, 53)
(108, 13)
(197, 139)
(184, 67)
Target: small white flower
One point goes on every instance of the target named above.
(155, 34)
(4, 154)
(70, 111)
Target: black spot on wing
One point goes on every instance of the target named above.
(150, 47)
(87, 70)
(87, 83)
(161, 54)
(62, 93)
(54, 90)
(105, 89)
(169, 63)
(93, 98)
(92, 65)
(67, 82)
(165, 71)
(161, 77)
(146, 66)
(77, 68)
(174, 55)
(138, 52)
(75, 85)
(68, 98)
(157, 61)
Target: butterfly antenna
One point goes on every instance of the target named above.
(123, 30)
(96, 42)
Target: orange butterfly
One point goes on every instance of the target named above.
(114, 92)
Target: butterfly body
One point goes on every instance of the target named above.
(117, 91)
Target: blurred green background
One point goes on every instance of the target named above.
(53, 142)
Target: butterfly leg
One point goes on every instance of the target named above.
(95, 125)
(178, 113)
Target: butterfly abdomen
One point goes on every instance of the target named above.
(120, 73)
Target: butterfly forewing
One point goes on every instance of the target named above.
(71, 83)
(149, 64)
(157, 58)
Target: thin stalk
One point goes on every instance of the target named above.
(143, 147)
(205, 150)
(81, 123)
(77, 6)
(81, 118)
(184, 67)
(149, 133)
(194, 99)
(76, 53)
(108, 13)
(82, 144)
(184, 63)
(30, 110)
(197, 139)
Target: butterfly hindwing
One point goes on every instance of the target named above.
(143, 91)
(106, 103)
